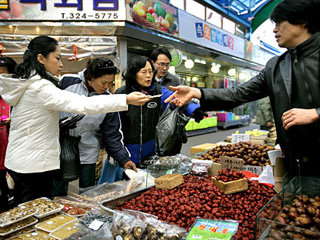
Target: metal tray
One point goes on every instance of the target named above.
(38, 215)
(19, 219)
(110, 204)
(19, 228)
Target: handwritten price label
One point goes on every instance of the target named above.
(241, 137)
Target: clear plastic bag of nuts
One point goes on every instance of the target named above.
(132, 225)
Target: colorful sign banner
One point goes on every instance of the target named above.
(63, 10)
(198, 31)
(154, 14)
(256, 54)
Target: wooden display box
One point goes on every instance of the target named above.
(169, 181)
(201, 148)
(232, 186)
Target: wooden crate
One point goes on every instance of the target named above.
(169, 181)
(232, 186)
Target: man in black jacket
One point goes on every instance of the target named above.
(290, 80)
(161, 59)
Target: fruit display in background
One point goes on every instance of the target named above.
(154, 14)
(252, 154)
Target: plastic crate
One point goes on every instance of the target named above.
(222, 116)
(265, 219)
(190, 125)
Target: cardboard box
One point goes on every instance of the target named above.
(278, 184)
(279, 169)
(214, 169)
(201, 148)
(169, 181)
(232, 186)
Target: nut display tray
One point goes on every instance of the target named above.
(44, 206)
(267, 226)
(4, 231)
(15, 215)
(110, 204)
(65, 231)
(54, 223)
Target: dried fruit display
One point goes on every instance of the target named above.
(65, 231)
(44, 206)
(227, 175)
(252, 154)
(300, 220)
(15, 214)
(4, 231)
(55, 222)
(200, 197)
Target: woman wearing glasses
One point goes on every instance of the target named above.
(98, 130)
(139, 123)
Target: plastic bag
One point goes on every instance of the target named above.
(69, 156)
(169, 131)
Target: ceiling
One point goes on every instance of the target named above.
(250, 13)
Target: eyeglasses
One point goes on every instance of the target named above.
(162, 64)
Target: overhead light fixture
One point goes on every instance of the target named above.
(232, 72)
(215, 69)
(189, 63)
(37, 29)
(197, 60)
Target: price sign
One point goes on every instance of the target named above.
(240, 137)
(213, 229)
(231, 162)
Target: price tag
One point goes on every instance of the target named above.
(231, 162)
(241, 137)
(96, 224)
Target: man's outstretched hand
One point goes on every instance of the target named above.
(182, 95)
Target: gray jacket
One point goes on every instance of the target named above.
(170, 80)
(96, 130)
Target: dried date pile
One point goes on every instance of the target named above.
(200, 197)
(252, 154)
(228, 174)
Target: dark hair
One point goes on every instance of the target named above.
(133, 67)
(99, 67)
(9, 63)
(39, 45)
(158, 51)
(298, 12)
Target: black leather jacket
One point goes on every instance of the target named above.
(275, 81)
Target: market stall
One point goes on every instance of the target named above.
(149, 207)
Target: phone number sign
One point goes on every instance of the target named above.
(64, 10)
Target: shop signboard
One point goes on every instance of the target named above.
(63, 10)
(257, 54)
(200, 32)
(156, 14)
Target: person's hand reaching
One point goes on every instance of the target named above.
(182, 95)
(130, 165)
(137, 98)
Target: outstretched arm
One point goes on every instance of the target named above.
(183, 94)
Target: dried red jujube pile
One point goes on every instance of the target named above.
(200, 197)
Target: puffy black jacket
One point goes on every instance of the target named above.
(275, 81)
(139, 122)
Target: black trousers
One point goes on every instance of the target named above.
(86, 179)
(29, 186)
(4, 190)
